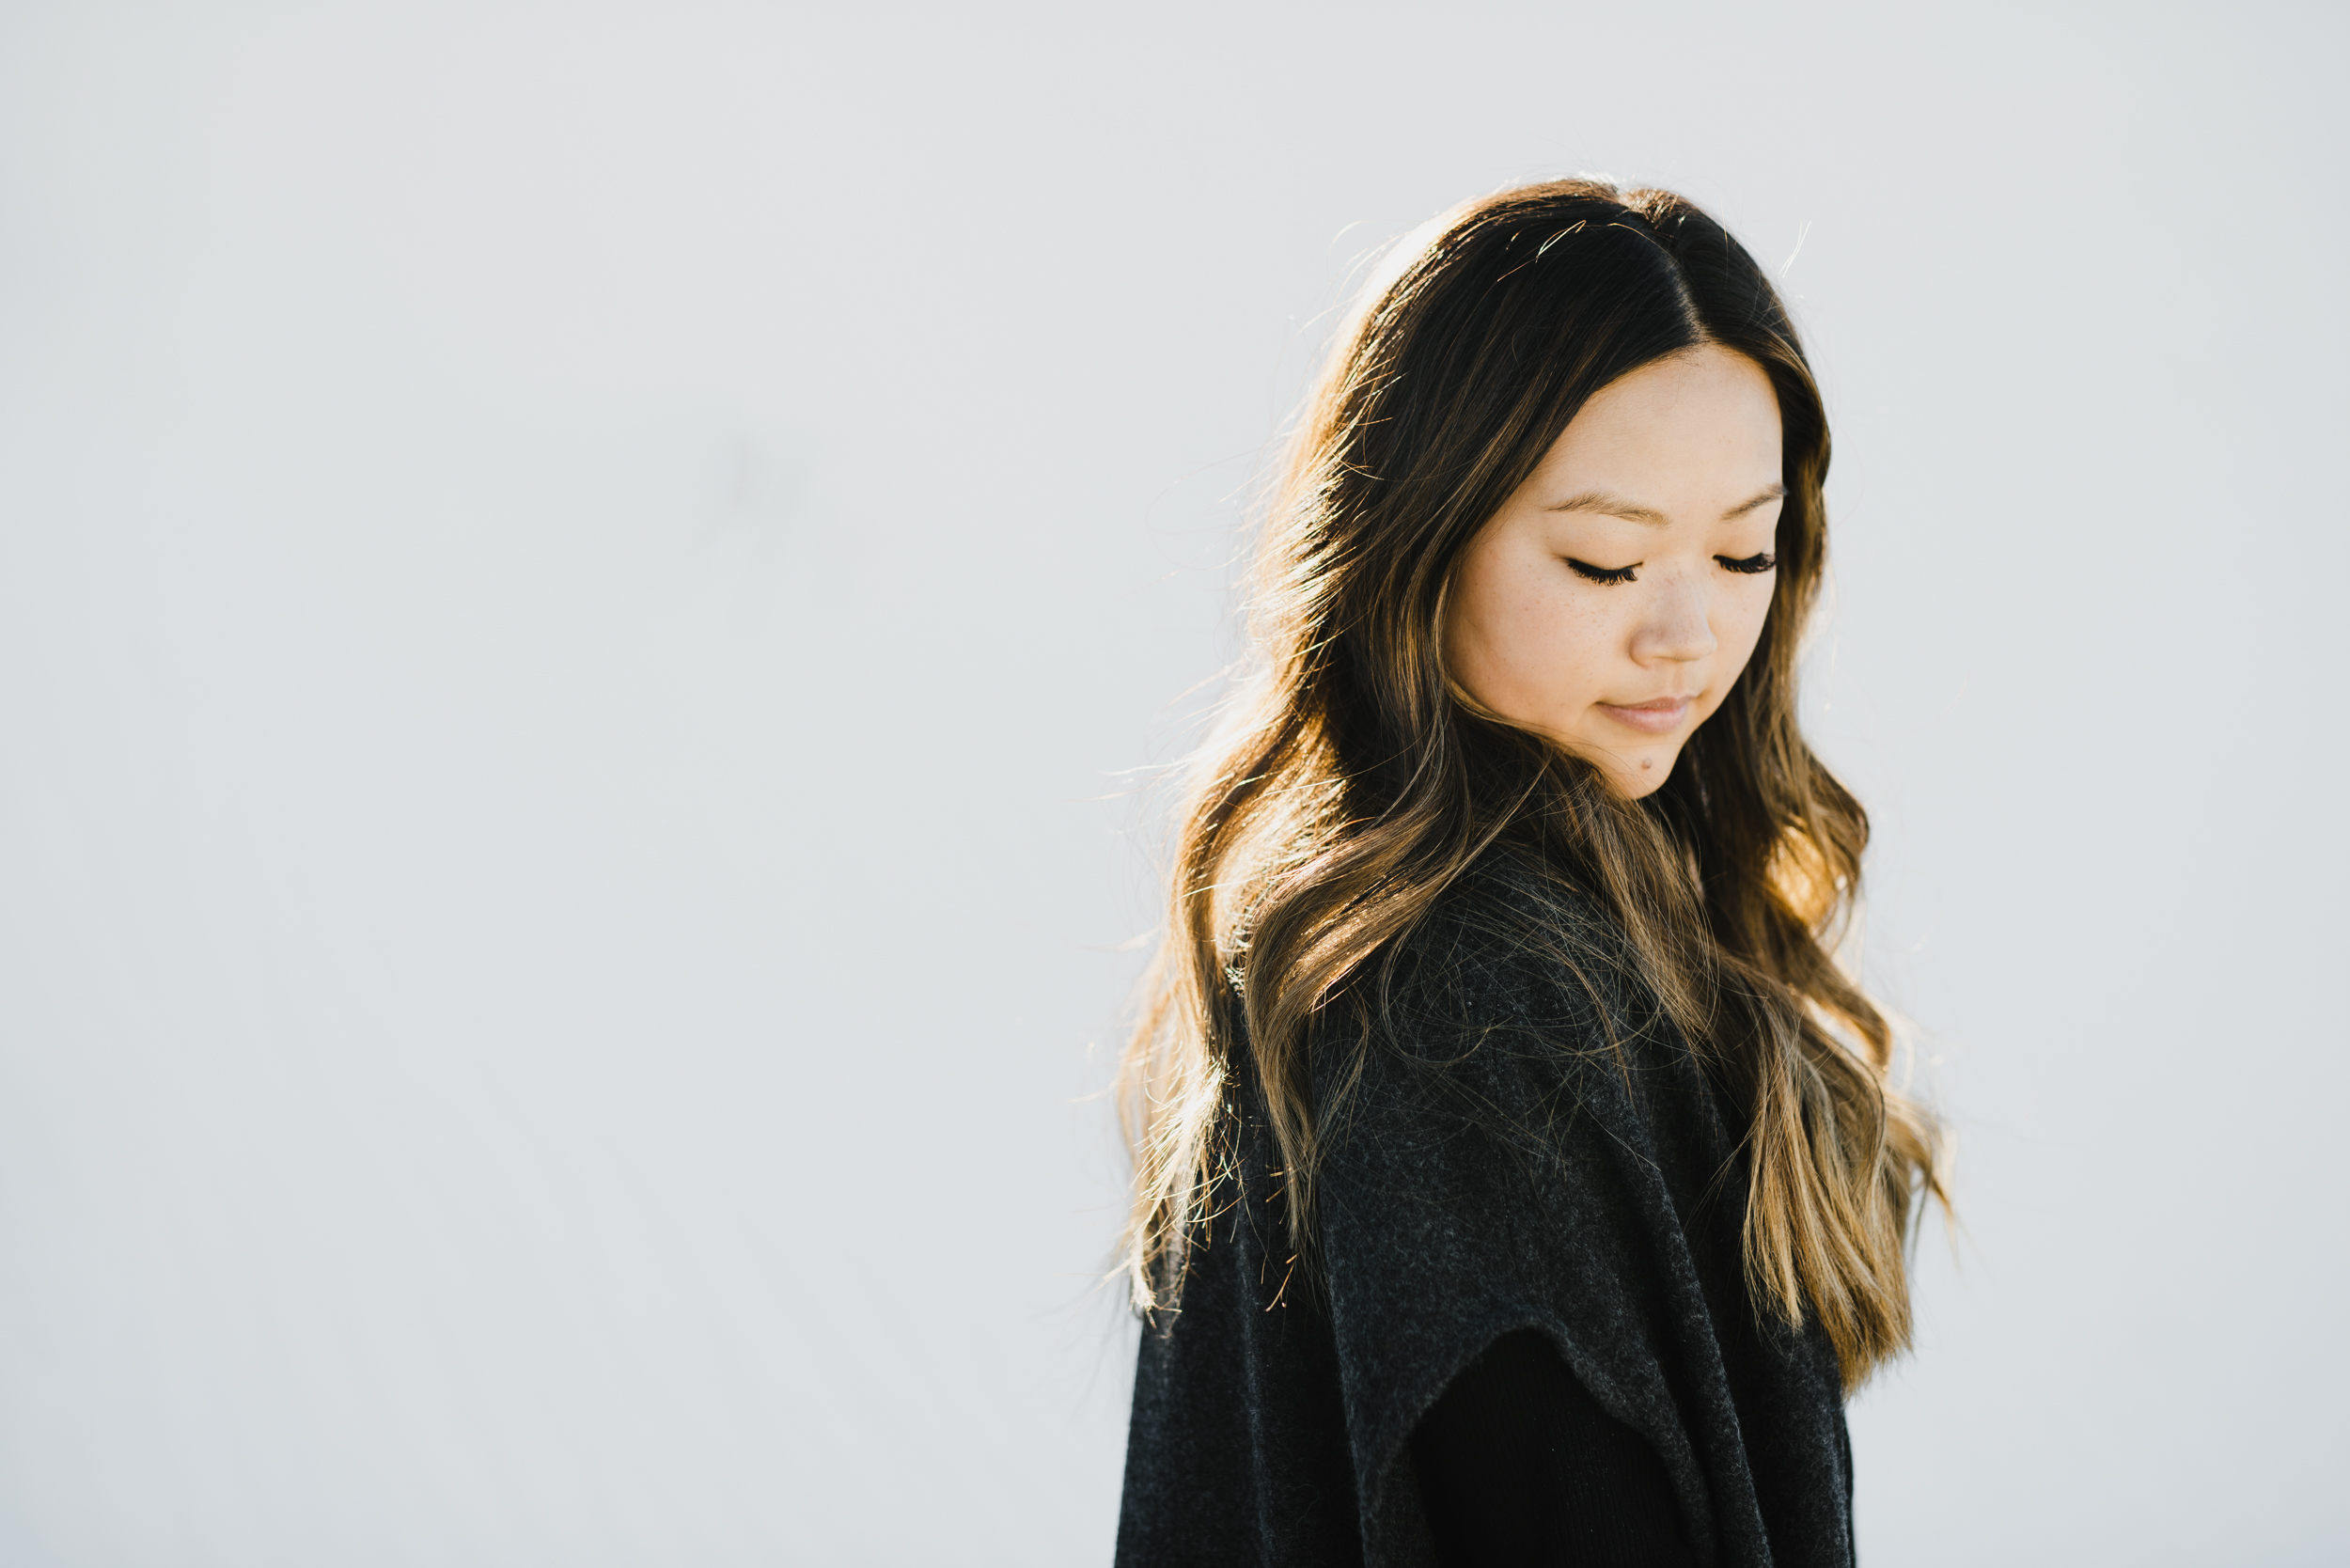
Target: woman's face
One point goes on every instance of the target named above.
(1615, 597)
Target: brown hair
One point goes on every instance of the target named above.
(1352, 782)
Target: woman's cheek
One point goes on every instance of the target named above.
(1748, 612)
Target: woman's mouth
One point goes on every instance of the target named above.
(1659, 715)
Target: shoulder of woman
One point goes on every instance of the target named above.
(1499, 1009)
(1506, 1036)
(1505, 945)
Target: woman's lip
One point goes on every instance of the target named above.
(1657, 716)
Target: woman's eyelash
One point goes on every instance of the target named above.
(1752, 566)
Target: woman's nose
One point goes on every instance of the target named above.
(1676, 628)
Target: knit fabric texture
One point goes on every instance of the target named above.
(1530, 1144)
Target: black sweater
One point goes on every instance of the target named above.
(1499, 1166)
(1520, 1468)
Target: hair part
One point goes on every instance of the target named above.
(1353, 782)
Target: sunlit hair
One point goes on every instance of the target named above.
(1353, 782)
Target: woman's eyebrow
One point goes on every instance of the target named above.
(1608, 504)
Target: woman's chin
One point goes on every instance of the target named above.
(1638, 773)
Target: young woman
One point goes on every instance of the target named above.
(1519, 1176)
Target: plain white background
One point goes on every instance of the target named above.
(580, 589)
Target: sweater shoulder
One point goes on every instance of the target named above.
(1505, 947)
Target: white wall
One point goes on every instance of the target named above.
(571, 580)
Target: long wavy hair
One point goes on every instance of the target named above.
(1353, 780)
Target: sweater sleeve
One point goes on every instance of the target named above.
(1520, 1468)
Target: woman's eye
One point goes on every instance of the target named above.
(1752, 565)
(1601, 574)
